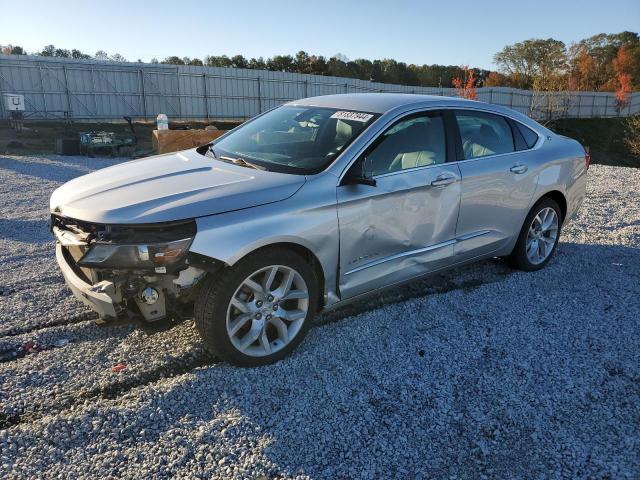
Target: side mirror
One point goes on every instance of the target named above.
(357, 175)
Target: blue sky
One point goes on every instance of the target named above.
(444, 32)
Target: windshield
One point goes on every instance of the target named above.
(302, 140)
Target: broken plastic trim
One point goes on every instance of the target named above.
(124, 233)
(156, 247)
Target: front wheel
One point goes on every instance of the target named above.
(539, 236)
(259, 310)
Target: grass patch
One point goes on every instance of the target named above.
(603, 136)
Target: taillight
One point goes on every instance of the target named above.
(587, 159)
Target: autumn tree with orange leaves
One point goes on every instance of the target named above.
(583, 75)
(622, 66)
(495, 79)
(466, 85)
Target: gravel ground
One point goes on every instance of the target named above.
(479, 372)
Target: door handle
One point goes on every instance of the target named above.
(519, 168)
(443, 181)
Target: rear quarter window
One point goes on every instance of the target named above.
(530, 137)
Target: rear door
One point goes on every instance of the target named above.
(498, 183)
(403, 226)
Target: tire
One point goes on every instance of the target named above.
(530, 262)
(217, 319)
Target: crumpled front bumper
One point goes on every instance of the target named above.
(97, 297)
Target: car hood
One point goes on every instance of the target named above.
(169, 187)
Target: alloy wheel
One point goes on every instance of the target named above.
(542, 235)
(267, 310)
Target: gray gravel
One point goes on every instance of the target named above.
(478, 372)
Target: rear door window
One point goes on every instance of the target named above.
(483, 134)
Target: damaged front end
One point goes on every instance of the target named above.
(118, 270)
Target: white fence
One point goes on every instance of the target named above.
(56, 88)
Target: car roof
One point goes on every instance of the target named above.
(385, 102)
(378, 102)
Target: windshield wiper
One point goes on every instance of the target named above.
(242, 162)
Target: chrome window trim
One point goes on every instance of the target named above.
(537, 145)
(412, 169)
(417, 251)
(497, 155)
(404, 170)
(383, 127)
(485, 110)
(540, 136)
(380, 130)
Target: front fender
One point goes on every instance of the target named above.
(308, 219)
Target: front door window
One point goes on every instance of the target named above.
(416, 142)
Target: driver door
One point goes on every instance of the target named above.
(404, 225)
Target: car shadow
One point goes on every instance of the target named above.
(478, 387)
(465, 277)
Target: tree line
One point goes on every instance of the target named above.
(384, 71)
(603, 62)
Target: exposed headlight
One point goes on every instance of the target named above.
(156, 256)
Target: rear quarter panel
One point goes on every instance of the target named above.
(559, 166)
(565, 171)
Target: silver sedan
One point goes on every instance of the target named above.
(311, 205)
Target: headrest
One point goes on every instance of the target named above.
(488, 132)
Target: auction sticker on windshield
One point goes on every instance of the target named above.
(355, 116)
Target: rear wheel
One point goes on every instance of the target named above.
(259, 310)
(539, 236)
